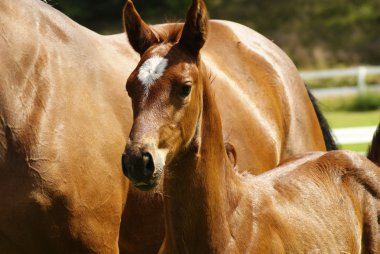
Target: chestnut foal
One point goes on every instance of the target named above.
(258, 90)
(315, 203)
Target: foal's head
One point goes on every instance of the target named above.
(165, 89)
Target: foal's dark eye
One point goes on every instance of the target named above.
(185, 90)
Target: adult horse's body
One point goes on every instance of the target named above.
(64, 117)
(315, 203)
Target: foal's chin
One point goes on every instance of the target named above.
(153, 185)
(150, 186)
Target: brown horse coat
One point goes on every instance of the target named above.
(265, 111)
(314, 203)
(64, 117)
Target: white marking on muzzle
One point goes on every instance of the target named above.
(151, 70)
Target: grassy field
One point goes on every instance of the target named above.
(345, 119)
(363, 147)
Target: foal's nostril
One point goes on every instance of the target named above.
(148, 164)
(138, 166)
(124, 164)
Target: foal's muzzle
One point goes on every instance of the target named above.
(138, 165)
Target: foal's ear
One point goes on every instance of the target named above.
(231, 153)
(194, 31)
(140, 35)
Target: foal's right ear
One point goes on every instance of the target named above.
(140, 35)
(194, 32)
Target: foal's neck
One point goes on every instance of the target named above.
(196, 188)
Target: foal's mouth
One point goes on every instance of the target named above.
(144, 186)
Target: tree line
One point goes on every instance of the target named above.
(315, 33)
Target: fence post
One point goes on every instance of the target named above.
(362, 86)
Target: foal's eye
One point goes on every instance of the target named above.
(185, 90)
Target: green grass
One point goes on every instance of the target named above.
(344, 119)
(362, 147)
(353, 119)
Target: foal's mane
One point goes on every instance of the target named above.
(169, 34)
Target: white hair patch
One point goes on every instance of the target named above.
(151, 70)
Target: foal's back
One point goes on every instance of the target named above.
(324, 203)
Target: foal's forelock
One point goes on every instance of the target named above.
(154, 67)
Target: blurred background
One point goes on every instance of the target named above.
(315, 33)
(334, 43)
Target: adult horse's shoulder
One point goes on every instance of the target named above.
(253, 71)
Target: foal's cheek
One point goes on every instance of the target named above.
(169, 136)
(188, 128)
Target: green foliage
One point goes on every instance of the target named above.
(358, 103)
(332, 82)
(315, 33)
(365, 102)
(97, 15)
(342, 81)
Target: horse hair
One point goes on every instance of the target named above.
(374, 149)
(169, 35)
(326, 130)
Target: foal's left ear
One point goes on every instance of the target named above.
(140, 35)
(194, 32)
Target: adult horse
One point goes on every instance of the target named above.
(315, 203)
(64, 117)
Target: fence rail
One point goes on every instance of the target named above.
(354, 135)
(360, 72)
(346, 136)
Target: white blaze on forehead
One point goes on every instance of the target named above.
(151, 70)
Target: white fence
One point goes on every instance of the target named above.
(347, 135)
(359, 72)
(354, 135)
